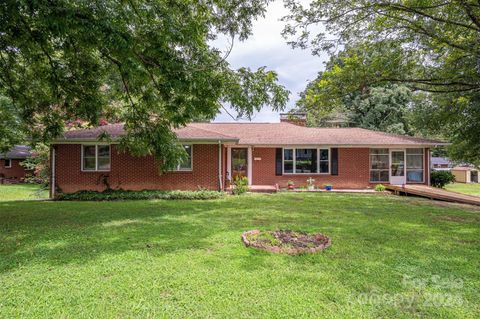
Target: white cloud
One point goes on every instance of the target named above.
(266, 47)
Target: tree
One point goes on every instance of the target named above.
(10, 125)
(430, 46)
(383, 108)
(39, 164)
(151, 60)
(348, 87)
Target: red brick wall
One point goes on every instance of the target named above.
(353, 170)
(128, 172)
(135, 173)
(16, 171)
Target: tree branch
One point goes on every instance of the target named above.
(124, 81)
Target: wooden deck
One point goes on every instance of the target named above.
(435, 193)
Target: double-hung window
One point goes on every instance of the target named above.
(186, 164)
(415, 165)
(306, 161)
(379, 162)
(8, 163)
(96, 158)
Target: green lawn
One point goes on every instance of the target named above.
(471, 189)
(391, 257)
(22, 192)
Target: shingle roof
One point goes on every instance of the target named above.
(290, 134)
(464, 168)
(189, 132)
(18, 152)
(275, 134)
(440, 161)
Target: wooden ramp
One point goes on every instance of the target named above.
(435, 193)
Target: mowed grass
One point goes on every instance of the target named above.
(471, 189)
(10, 192)
(391, 257)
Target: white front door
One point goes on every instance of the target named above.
(397, 167)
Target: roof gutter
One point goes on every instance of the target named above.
(343, 145)
(115, 141)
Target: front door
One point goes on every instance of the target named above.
(397, 167)
(239, 162)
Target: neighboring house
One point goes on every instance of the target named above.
(441, 164)
(465, 174)
(10, 167)
(267, 153)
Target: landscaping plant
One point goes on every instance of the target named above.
(441, 178)
(39, 164)
(240, 185)
(139, 195)
(291, 185)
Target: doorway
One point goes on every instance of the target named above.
(239, 162)
(397, 167)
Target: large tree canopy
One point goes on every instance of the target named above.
(431, 46)
(349, 86)
(68, 59)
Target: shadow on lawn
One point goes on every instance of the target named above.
(76, 232)
(59, 233)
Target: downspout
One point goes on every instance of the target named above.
(52, 179)
(220, 175)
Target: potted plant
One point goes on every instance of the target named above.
(328, 187)
(291, 185)
(310, 184)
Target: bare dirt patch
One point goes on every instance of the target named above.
(286, 241)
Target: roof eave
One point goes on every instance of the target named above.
(115, 140)
(421, 145)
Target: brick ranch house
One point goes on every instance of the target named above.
(10, 167)
(267, 153)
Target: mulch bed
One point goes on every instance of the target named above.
(286, 241)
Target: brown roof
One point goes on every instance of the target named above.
(290, 134)
(188, 132)
(277, 134)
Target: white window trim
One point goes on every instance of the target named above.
(96, 158)
(415, 169)
(294, 148)
(9, 161)
(370, 165)
(178, 169)
(389, 165)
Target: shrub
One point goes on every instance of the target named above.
(240, 185)
(39, 165)
(138, 195)
(441, 178)
(380, 188)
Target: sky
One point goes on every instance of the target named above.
(267, 47)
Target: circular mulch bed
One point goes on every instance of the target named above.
(286, 241)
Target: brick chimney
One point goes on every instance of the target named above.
(299, 119)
